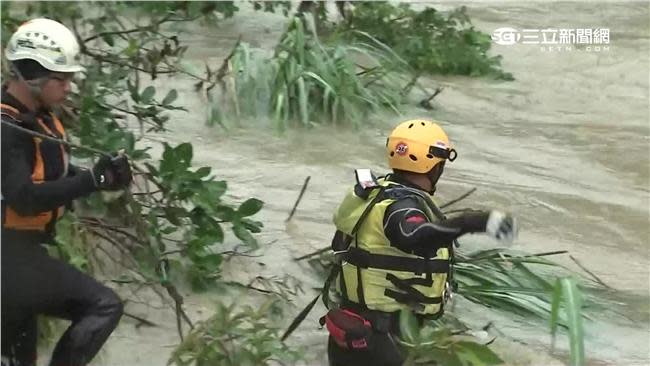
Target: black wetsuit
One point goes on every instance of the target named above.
(33, 282)
(408, 229)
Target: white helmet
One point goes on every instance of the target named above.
(47, 42)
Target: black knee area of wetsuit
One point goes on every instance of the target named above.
(99, 322)
(87, 334)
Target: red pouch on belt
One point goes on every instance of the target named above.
(349, 330)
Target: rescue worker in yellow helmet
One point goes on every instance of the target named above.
(395, 247)
(38, 182)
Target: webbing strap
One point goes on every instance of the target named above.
(410, 295)
(364, 259)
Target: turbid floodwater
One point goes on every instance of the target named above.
(565, 147)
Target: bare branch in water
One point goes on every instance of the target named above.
(295, 205)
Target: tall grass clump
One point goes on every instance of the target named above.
(306, 82)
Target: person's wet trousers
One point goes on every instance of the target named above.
(35, 283)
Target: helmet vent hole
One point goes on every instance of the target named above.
(411, 125)
(422, 123)
(429, 156)
(413, 157)
(392, 153)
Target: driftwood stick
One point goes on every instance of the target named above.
(302, 192)
(313, 254)
(142, 321)
(426, 103)
(593, 275)
(460, 198)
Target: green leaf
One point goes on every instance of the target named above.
(174, 215)
(252, 226)
(169, 230)
(408, 327)
(555, 309)
(211, 262)
(250, 207)
(215, 189)
(245, 236)
(132, 49)
(483, 354)
(184, 152)
(170, 97)
(302, 101)
(573, 307)
(197, 280)
(225, 213)
(108, 39)
(147, 94)
(133, 91)
(203, 172)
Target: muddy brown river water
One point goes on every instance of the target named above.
(566, 147)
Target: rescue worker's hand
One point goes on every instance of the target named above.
(122, 170)
(503, 227)
(112, 173)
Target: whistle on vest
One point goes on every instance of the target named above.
(366, 182)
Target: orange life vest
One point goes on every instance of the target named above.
(41, 221)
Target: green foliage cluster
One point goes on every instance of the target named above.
(437, 342)
(514, 282)
(430, 41)
(236, 336)
(175, 206)
(172, 226)
(368, 62)
(308, 82)
(169, 228)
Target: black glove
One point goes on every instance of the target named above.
(122, 170)
(112, 173)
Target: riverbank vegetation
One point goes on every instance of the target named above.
(176, 227)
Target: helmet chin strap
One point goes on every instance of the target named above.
(434, 175)
(35, 86)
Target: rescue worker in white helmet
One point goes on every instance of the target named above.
(38, 182)
(396, 247)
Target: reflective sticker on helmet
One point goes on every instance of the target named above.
(401, 148)
(26, 43)
(441, 144)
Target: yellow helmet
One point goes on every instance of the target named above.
(417, 146)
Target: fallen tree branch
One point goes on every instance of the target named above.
(302, 192)
(426, 103)
(456, 200)
(142, 321)
(180, 313)
(593, 275)
(313, 254)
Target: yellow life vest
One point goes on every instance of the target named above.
(382, 277)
